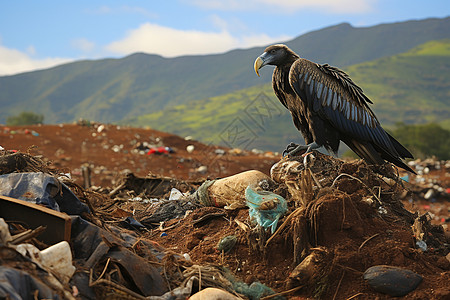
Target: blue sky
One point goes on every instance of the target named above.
(41, 34)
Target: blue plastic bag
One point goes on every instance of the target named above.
(43, 189)
(266, 208)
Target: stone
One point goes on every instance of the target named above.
(393, 281)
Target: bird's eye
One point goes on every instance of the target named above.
(273, 51)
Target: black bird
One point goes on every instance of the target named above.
(328, 107)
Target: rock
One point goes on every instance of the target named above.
(390, 280)
(227, 243)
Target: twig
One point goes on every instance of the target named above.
(356, 295)
(104, 269)
(116, 189)
(292, 215)
(241, 225)
(359, 180)
(343, 213)
(316, 181)
(363, 243)
(26, 235)
(138, 240)
(348, 268)
(339, 285)
(119, 287)
(165, 276)
(169, 227)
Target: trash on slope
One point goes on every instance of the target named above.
(327, 237)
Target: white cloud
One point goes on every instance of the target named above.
(289, 6)
(83, 44)
(13, 61)
(170, 42)
(31, 50)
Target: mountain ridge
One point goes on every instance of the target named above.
(111, 90)
(404, 88)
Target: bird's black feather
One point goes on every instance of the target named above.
(327, 106)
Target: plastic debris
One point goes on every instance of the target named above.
(41, 188)
(175, 194)
(56, 258)
(332, 235)
(229, 192)
(219, 152)
(160, 150)
(190, 148)
(202, 169)
(422, 245)
(265, 207)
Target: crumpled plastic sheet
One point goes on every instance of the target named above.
(18, 285)
(256, 201)
(90, 249)
(43, 189)
(90, 244)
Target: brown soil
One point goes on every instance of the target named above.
(347, 231)
(110, 152)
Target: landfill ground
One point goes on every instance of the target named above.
(345, 225)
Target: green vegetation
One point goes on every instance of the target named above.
(424, 140)
(405, 87)
(111, 90)
(25, 118)
(413, 87)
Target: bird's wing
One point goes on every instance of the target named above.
(331, 94)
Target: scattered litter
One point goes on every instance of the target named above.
(219, 152)
(158, 237)
(202, 169)
(190, 148)
(160, 150)
(265, 207)
(175, 194)
(229, 192)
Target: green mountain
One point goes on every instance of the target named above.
(111, 90)
(412, 87)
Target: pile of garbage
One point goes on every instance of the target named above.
(316, 226)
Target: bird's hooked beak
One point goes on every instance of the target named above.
(259, 63)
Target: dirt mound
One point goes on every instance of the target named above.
(110, 150)
(351, 219)
(343, 217)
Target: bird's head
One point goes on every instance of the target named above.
(275, 55)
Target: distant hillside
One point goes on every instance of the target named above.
(412, 87)
(110, 90)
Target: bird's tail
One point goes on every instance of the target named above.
(402, 151)
(377, 156)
